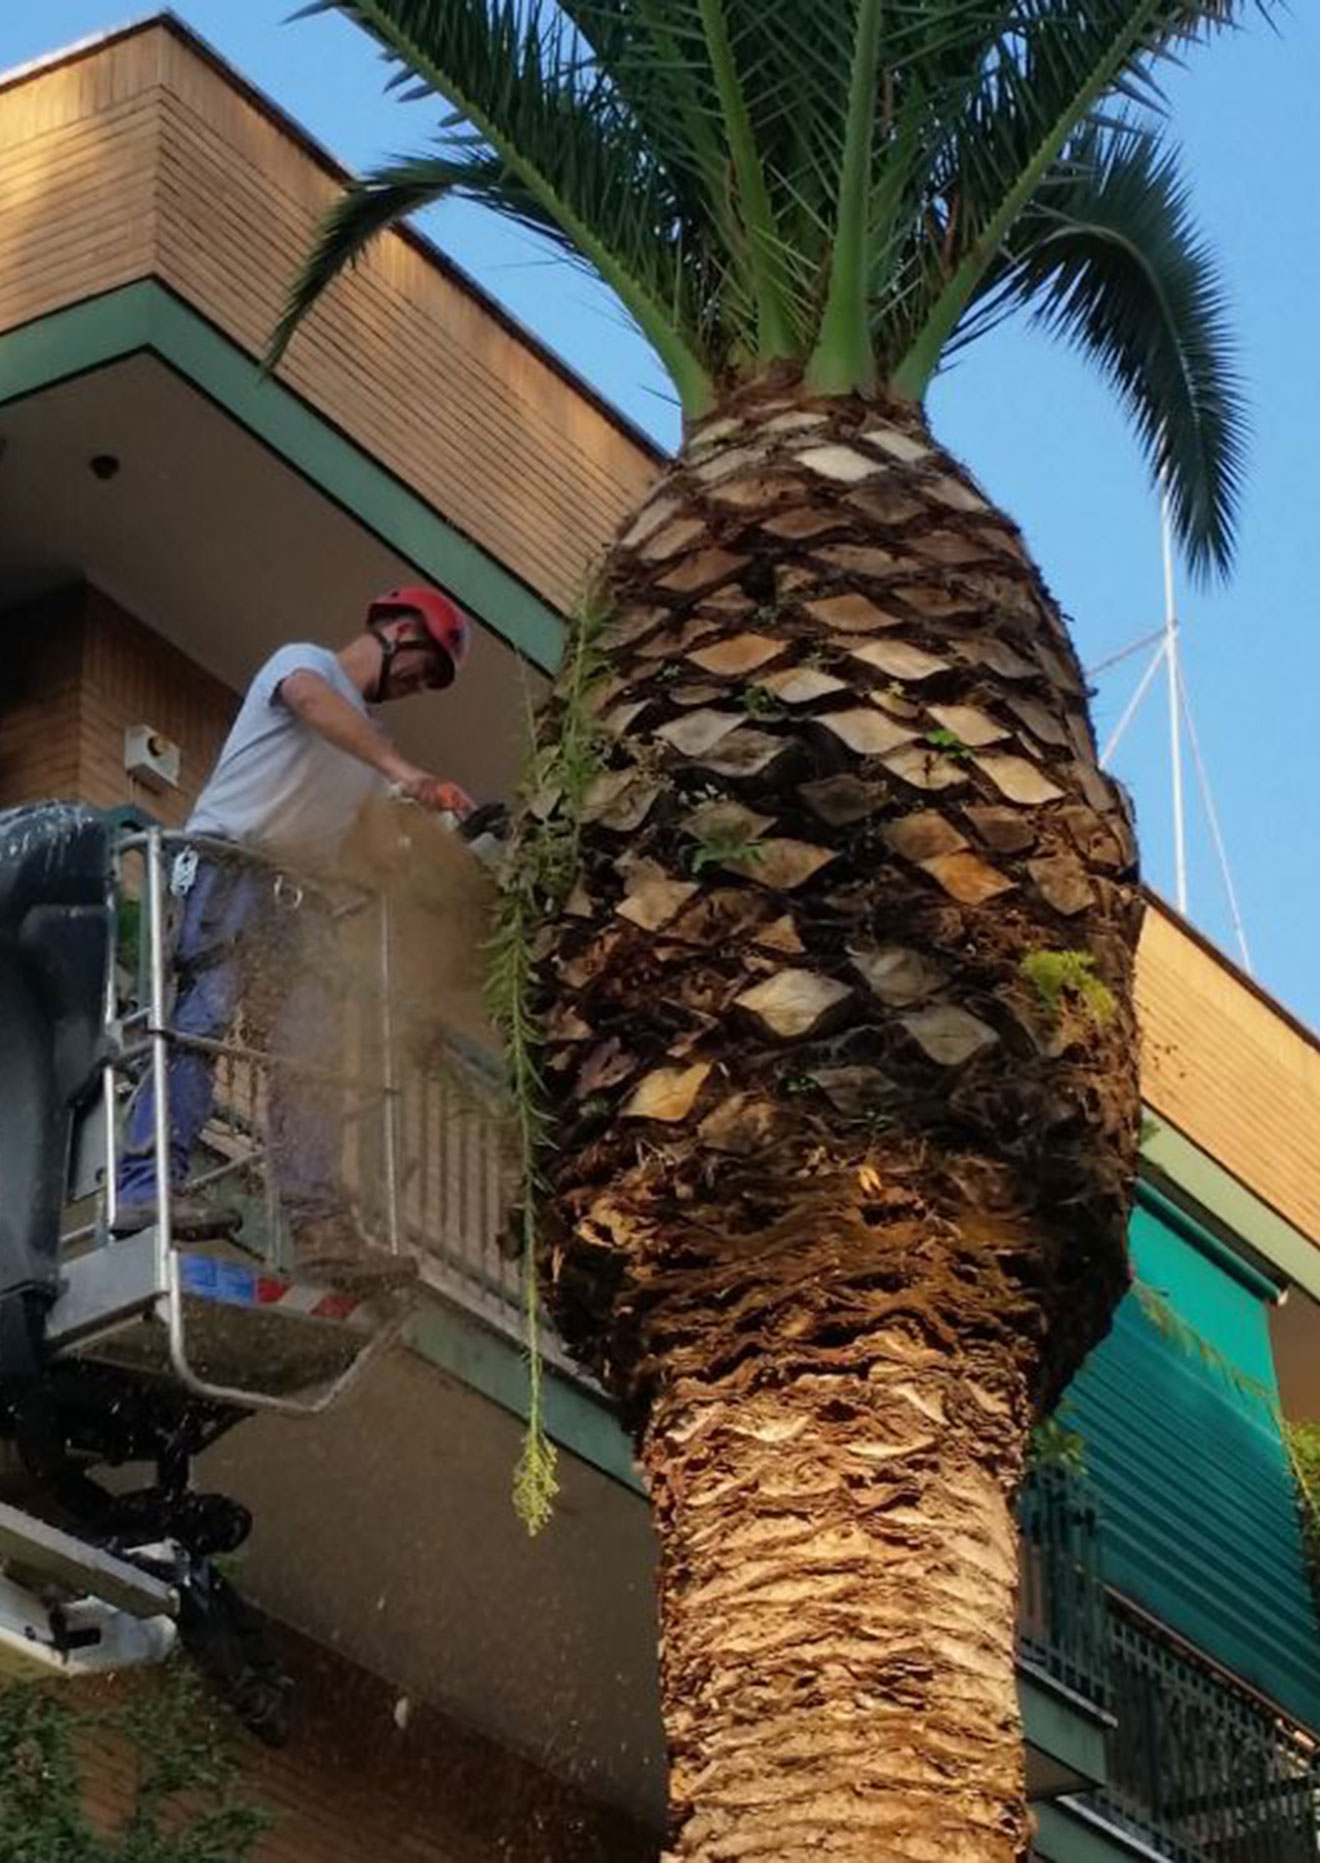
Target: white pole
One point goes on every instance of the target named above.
(1129, 711)
(1216, 833)
(1175, 728)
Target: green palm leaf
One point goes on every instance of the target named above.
(1108, 259)
(1040, 76)
(845, 185)
(375, 202)
(518, 77)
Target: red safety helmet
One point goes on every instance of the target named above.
(448, 627)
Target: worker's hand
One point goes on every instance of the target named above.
(433, 792)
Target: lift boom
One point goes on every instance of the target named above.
(69, 1609)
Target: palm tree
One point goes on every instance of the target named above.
(835, 911)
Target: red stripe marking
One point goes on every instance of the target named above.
(336, 1306)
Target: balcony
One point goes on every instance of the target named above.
(1201, 1768)
(1191, 1766)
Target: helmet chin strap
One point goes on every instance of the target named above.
(388, 648)
(389, 645)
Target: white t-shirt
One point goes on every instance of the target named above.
(277, 784)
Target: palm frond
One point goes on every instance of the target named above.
(517, 75)
(836, 182)
(1043, 70)
(642, 48)
(843, 357)
(1108, 258)
(375, 202)
(747, 97)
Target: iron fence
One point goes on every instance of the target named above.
(1207, 1771)
(1062, 1628)
(1199, 1768)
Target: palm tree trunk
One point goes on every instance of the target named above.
(837, 1416)
(843, 1080)
(837, 1608)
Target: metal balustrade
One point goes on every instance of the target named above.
(1062, 1625)
(1200, 1769)
(1206, 1770)
(454, 1181)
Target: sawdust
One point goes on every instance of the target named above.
(442, 901)
(306, 1057)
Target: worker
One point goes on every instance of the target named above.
(303, 757)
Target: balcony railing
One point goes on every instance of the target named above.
(1204, 1769)
(453, 1180)
(1062, 1626)
(1199, 1768)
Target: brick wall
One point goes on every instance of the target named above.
(362, 1779)
(40, 673)
(133, 676)
(75, 672)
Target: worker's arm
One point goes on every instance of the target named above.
(315, 701)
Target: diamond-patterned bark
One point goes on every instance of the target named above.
(899, 700)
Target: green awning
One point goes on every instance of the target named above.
(1198, 1511)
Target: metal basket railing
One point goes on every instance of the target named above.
(421, 1152)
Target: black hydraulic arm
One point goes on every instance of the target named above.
(55, 945)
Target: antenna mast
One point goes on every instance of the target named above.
(1175, 722)
(1167, 654)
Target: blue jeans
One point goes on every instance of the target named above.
(239, 938)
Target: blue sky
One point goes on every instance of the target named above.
(1030, 420)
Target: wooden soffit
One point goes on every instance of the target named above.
(143, 157)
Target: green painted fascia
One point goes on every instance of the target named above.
(1175, 1215)
(1066, 1835)
(145, 316)
(1228, 1206)
(1059, 1724)
(458, 1343)
(69, 342)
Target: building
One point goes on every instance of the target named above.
(169, 515)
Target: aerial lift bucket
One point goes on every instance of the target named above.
(228, 1320)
